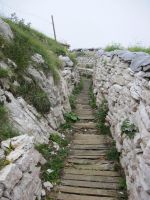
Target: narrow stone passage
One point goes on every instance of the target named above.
(88, 175)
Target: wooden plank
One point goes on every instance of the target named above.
(87, 161)
(88, 184)
(88, 157)
(89, 191)
(85, 125)
(105, 179)
(89, 137)
(65, 196)
(90, 172)
(86, 117)
(89, 147)
(88, 152)
(102, 167)
(92, 141)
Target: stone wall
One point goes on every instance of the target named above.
(122, 78)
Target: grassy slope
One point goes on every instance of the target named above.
(28, 41)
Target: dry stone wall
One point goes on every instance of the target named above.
(122, 78)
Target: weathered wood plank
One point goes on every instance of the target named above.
(88, 184)
(88, 152)
(105, 179)
(88, 161)
(65, 196)
(89, 191)
(90, 172)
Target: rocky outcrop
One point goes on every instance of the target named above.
(20, 175)
(122, 78)
(5, 31)
(20, 179)
(25, 117)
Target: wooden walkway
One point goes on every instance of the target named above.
(88, 174)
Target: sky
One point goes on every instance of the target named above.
(86, 23)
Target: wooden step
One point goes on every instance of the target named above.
(90, 125)
(89, 147)
(91, 172)
(102, 167)
(88, 161)
(89, 191)
(105, 179)
(65, 196)
(88, 152)
(89, 184)
(86, 117)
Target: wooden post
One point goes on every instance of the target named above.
(53, 27)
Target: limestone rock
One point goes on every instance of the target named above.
(5, 30)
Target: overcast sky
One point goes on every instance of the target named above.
(87, 23)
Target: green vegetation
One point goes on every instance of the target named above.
(128, 128)
(101, 118)
(73, 56)
(138, 48)
(34, 95)
(92, 101)
(71, 117)
(113, 46)
(3, 163)
(113, 154)
(3, 73)
(28, 41)
(122, 184)
(77, 89)
(6, 130)
(55, 161)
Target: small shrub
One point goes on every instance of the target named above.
(92, 100)
(54, 162)
(113, 154)
(122, 184)
(72, 101)
(3, 73)
(128, 128)
(73, 57)
(101, 117)
(71, 117)
(113, 46)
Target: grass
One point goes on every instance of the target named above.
(3, 163)
(54, 162)
(92, 101)
(3, 73)
(28, 41)
(6, 129)
(113, 47)
(34, 95)
(113, 154)
(101, 118)
(71, 117)
(77, 89)
(138, 48)
(128, 128)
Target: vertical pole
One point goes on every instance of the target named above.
(53, 27)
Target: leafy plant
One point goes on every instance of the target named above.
(3, 163)
(56, 161)
(128, 128)
(72, 101)
(113, 154)
(101, 118)
(71, 117)
(92, 101)
(122, 184)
